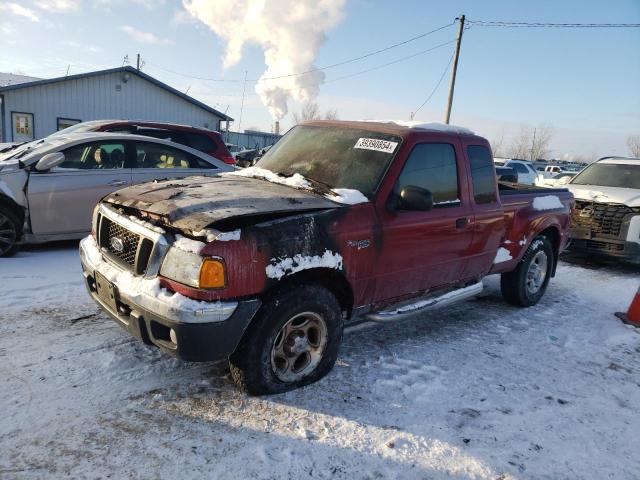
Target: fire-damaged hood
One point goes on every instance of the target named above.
(195, 203)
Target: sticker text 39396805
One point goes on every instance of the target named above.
(376, 144)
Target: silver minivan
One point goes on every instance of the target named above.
(49, 187)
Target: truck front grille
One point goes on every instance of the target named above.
(603, 218)
(124, 247)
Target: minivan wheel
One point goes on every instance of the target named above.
(526, 284)
(292, 342)
(9, 232)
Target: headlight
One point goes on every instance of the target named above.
(193, 270)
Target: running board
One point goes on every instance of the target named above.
(420, 306)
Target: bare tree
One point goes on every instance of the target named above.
(331, 114)
(633, 142)
(532, 143)
(311, 111)
(497, 145)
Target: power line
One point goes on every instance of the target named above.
(446, 69)
(361, 72)
(485, 23)
(327, 67)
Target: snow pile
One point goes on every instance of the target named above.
(502, 255)
(147, 225)
(548, 202)
(347, 196)
(296, 180)
(286, 266)
(434, 126)
(187, 245)
(213, 235)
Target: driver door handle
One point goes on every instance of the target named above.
(117, 183)
(461, 223)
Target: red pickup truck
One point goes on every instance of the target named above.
(339, 222)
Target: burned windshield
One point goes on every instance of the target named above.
(337, 157)
(623, 175)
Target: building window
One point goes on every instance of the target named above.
(67, 122)
(22, 125)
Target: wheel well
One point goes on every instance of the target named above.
(554, 237)
(332, 280)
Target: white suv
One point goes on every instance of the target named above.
(526, 173)
(607, 216)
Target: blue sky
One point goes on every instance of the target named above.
(582, 82)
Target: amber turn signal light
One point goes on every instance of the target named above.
(212, 274)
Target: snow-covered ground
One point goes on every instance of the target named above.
(479, 390)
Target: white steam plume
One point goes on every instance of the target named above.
(290, 33)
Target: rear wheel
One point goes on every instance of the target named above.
(292, 342)
(9, 232)
(526, 285)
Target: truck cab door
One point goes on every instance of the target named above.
(422, 250)
(61, 201)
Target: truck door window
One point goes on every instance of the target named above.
(432, 166)
(483, 174)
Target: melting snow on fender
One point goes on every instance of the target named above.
(286, 266)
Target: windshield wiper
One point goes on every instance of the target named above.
(11, 147)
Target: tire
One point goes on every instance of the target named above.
(526, 285)
(10, 230)
(271, 357)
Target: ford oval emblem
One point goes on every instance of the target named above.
(117, 245)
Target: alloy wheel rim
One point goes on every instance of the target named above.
(8, 234)
(537, 272)
(299, 346)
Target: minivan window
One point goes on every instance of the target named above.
(432, 166)
(482, 174)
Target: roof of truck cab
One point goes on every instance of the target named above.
(400, 128)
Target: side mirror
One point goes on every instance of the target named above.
(415, 198)
(49, 161)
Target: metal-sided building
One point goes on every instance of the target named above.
(36, 108)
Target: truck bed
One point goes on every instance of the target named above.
(510, 189)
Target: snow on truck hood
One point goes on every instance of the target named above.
(627, 196)
(195, 203)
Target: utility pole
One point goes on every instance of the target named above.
(138, 63)
(452, 85)
(533, 144)
(244, 87)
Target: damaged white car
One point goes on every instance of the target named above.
(48, 187)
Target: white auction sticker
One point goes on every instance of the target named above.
(376, 144)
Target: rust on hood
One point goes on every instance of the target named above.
(195, 203)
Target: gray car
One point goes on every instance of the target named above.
(49, 187)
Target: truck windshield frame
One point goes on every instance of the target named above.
(334, 156)
(620, 175)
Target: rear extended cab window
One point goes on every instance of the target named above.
(483, 175)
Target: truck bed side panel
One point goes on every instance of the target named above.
(527, 214)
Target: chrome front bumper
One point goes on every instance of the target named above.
(144, 294)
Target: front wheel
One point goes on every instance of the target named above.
(9, 232)
(292, 342)
(526, 285)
